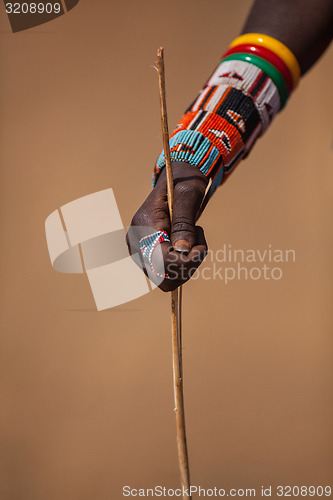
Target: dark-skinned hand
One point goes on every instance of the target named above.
(180, 258)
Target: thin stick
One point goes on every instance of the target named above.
(180, 330)
(175, 303)
(165, 128)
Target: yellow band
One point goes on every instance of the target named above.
(276, 46)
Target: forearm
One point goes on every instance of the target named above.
(305, 26)
(257, 74)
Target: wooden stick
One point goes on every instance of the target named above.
(176, 300)
(165, 128)
(180, 330)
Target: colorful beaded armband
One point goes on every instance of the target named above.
(238, 103)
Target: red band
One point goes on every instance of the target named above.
(269, 56)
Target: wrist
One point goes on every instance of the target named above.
(183, 172)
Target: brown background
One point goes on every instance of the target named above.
(86, 396)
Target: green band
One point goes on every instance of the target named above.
(268, 68)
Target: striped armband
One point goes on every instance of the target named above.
(239, 101)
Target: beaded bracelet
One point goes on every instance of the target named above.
(252, 82)
(267, 55)
(237, 104)
(275, 46)
(268, 68)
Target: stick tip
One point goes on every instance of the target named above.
(160, 52)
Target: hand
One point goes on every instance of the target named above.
(180, 258)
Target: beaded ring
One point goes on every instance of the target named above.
(148, 245)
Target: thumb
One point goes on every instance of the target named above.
(187, 201)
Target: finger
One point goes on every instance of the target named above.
(179, 267)
(200, 249)
(187, 201)
(152, 216)
(189, 263)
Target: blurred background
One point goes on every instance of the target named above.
(87, 403)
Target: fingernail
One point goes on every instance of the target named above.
(182, 246)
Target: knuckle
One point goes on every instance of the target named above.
(183, 224)
(142, 218)
(185, 189)
(150, 217)
(190, 188)
(158, 213)
(137, 218)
